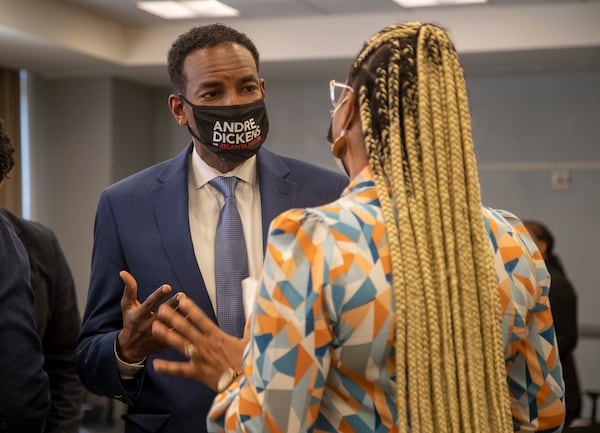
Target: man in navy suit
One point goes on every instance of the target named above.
(159, 225)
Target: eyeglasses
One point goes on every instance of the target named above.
(336, 90)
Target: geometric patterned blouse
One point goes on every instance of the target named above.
(321, 356)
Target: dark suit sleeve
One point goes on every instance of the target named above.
(24, 397)
(95, 357)
(343, 183)
(59, 342)
(563, 302)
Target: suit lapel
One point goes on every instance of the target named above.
(170, 202)
(13, 220)
(276, 193)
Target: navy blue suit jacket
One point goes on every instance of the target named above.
(142, 226)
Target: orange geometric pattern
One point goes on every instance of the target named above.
(531, 352)
(322, 355)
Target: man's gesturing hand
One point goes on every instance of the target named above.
(135, 340)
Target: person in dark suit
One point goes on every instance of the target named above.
(563, 301)
(56, 315)
(24, 397)
(57, 321)
(160, 226)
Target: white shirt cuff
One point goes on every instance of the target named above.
(128, 370)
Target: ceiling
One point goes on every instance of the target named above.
(126, 12)
(296, 38)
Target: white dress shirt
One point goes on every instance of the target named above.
(205, 203)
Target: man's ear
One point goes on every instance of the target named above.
(263, 88)
(177, 109)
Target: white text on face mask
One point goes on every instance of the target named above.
(235, 133)
(242, 138)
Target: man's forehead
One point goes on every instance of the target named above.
(223, 49)
(220, 66)
(221, 80)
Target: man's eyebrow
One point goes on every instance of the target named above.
(249, 78)
(218, 83)
(209, 84)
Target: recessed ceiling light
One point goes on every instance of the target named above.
(424, 3)
(187, 9)
(166, 9)
(416, 3)
(211, 8)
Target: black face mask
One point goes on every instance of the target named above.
(233, 132)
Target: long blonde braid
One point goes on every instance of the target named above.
(450, 369)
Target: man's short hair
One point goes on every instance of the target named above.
(203, 37)
(7, 158)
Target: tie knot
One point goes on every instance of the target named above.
(225, 185)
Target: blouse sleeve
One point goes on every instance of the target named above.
(288, 358)
(531, 353)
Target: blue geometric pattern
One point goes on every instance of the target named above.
(322, 354)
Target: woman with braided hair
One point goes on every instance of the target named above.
(403, 306)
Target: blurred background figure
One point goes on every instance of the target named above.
(57, 321)
(563, 301)
(23, 382)
(24, 399)
(56, 314)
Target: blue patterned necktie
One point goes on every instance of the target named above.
(231, 260)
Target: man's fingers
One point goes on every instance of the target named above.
(130, 291)
(155, 298)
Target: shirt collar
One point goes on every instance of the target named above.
(364, 180)
(202, 173)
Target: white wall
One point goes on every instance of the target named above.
(530, 122)
(71, 132)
